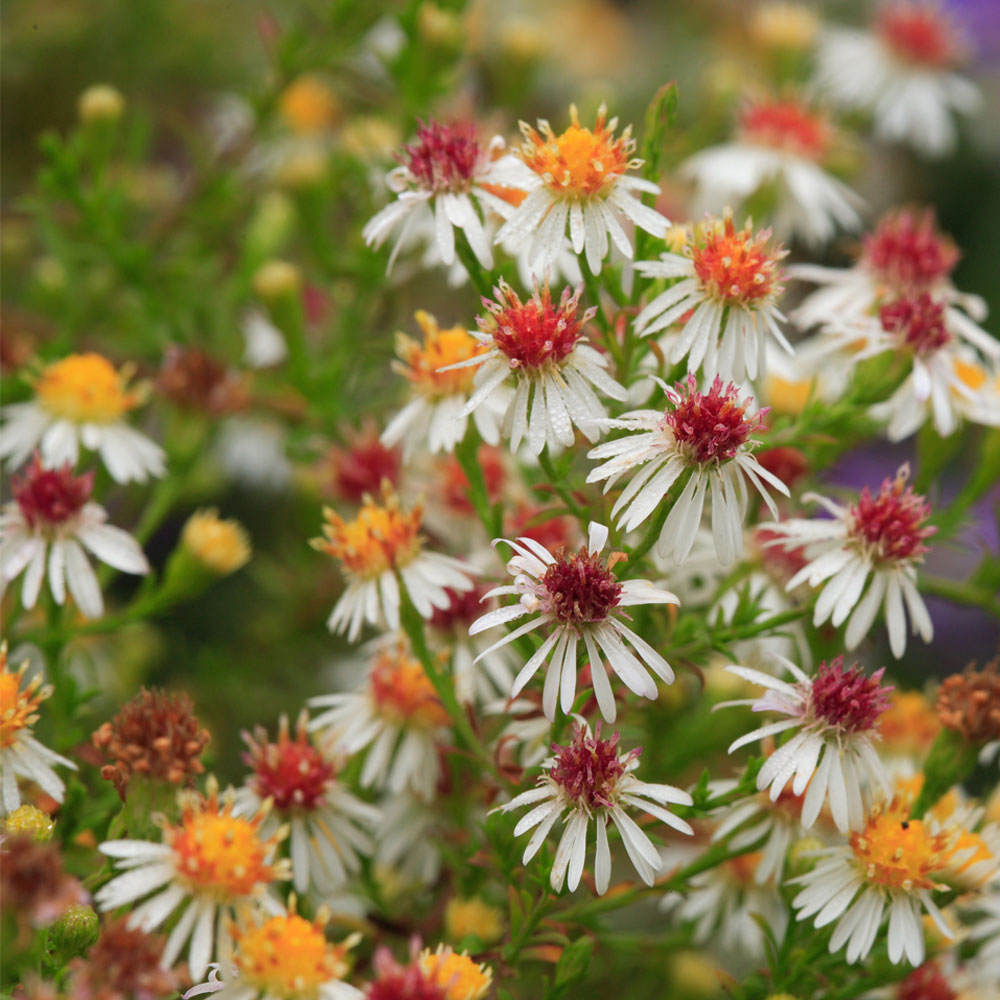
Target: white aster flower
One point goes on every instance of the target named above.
(81, 401)
(47, 527)
(781, 143)
(448, 175)
(410, 838)
(729, 285)
(539, 346)
(578, 179)
(902, 71)
(434, 419)
(396, 716)
(209, 863)
(21, 755)
(328, 827)
(706, 434)
(380, 542)
(590, 779)
(862, 558)
(251, 450)
(831, 758)
(892, 863)
(577, 600)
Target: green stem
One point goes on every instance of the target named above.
(959, 592)
(481, 280)
(564, 494)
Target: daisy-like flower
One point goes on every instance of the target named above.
(81, 400)
(541, 345)
(577, 597)
(942, 383)
(396, 715)
(579, 178)
(831, 758)
(49, 523)
(904, 255)
(730, 280)
(893, 862)
(902, 70)
(434, 418)
(283, 957)
(383, 540)
(781, 142)
(880, 537)
(209, 863)
(21, 755)
(457, 975)
(450, 177)
(409, 839)
(590, 779)
(328, 826)
(708, 434)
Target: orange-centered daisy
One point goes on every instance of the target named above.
(85, 388)
(403, 693)
(579, 177)
(457, 974)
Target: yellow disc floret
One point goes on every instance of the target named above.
(18, 706)
(382, 537)
(219, 854)
(473, 918)
(460, 977)
(223, 546)
(421, 364)
(402, 691)
(579, 164)
(896, 852)
(288, 957)
(29, 821)
(84, 388)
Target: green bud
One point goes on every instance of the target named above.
(28, 821)
(73, 934)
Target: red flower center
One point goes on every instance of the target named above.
(444, 157)
(916, 323)
(712, 426)
(907, 251)
(588, 769)
(786, 125)
(50, 497)
(848, 699)
(926, 983)
(292, 772)
(581, 588)
(463, 609)
(918, 34)
(890, 523)
(535, 334)
(363, 466)
(735, 267)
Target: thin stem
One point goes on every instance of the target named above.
(481, 280)
(959, 592)
(555, 481)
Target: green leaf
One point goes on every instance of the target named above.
(572, 966)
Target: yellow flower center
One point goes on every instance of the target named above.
(420, 364)
(18, 708)
(900, 853)
(380, 538)
(910, 725)
(84, 388)
(970, 373)
(222, 546)
(403, 692)
(788, 395)
(579, 164)
(472, 917)
(459, 975)
(288, 957)
(220, 854)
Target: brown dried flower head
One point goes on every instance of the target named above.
(123, 965)
(33, 883)
(194, 380)
(156, 735)
(969, 703)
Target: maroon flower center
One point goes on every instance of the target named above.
(292, 772)
(363, 466)
(536, 333)
(713, 426)
(581, 588)
(848, 699)
(890, 523)
(588, 769)
(444, 157)
(916, 323)
(926, 983)
(907, 251)
(50, 497)
(462, 610)
(918, 34)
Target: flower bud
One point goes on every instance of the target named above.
(74, 933)
(276, 279)
(100, 103)
(465, 918)
(222, 546)
(28, 821)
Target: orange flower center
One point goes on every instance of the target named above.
(909, 725)
(786, 125)
(900, 853)
(377, 540)
(17, 707)
(735, 267)
(309, 105)
(743, 867)
(579, 164)
(288, 957)
(459, 975)
(420, 364)
(971, 374)
(84, 388)
(220, 854)
(403, 693)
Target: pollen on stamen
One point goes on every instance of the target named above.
(891, 524)
(422, 364)
(48, 498)
(739, 268)
(712, 426)
(849, 700)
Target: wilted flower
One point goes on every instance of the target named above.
(193, 379)
(33, 883)
(969, 703)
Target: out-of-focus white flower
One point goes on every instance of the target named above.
(265, 344)
(252, 451)
(902, 71)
